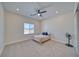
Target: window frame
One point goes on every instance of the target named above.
(29, 29)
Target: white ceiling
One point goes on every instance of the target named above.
(28, 8)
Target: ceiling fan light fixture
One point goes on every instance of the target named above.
(38, 14)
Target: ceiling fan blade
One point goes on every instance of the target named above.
(33, 14)
(43, 11)
(36, 10)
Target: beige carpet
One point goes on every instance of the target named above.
(32, 49)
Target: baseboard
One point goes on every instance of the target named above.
(13, 42)
(58, 40)
(9, 43)
(1, 50)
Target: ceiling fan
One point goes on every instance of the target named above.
(38, 12)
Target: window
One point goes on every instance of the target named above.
(28, 28)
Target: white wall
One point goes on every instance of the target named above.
(15, 27)
(2, 30)
(77, 24)
(59, 25)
